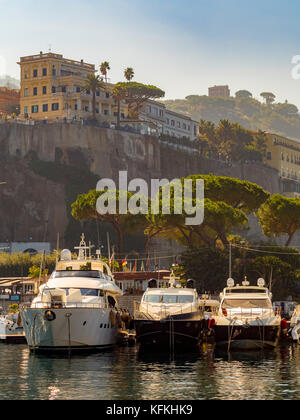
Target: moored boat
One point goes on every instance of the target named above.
(76, 309)
(11, 329)
(295, 325)
(167, 318)
(246, 319)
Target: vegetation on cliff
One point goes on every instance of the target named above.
(281, 118)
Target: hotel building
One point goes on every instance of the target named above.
(283, 154)
(54, 87)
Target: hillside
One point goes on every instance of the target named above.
(280, 118)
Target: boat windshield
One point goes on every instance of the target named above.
(247, 303)
(96, 274)
(169, 298)
(85, 292)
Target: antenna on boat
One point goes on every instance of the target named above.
(82, 249)
(245, 282)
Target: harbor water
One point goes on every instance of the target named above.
(127, 374)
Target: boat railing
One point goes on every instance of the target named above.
(65, 305)
(252, 313)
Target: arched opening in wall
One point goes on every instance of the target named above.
(30, 251)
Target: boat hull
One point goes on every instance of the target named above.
(68, 329)
(245, 337)
(169, 333)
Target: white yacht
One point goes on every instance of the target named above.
(246, 319)
(169, 317)
(11, 328)
(295, 325)
(76, 308)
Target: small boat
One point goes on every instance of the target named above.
(167, 318)
(76, 308)
(246, 319)
(11, 329)
(295, 325)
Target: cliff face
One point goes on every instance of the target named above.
(30, 206)
(34, 206)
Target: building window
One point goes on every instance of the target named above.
(44, 90)
(78, 89)
(35, 73)
(35, 91)
(63, 89)
(122, 115)
(34, 109)
(25, 75)
(172, 123)
(26, 92)
(55, 106)
(168, 121)
(45, 107)
(178, 124)
(107, 94)
(53, 89)
(75, 107)
(105, 112)
(53, 71)
(25, 110)
(44, 72)
(269, 156)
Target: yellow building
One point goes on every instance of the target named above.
(283, 154)
(52, 88)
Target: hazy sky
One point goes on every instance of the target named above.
(181, 46)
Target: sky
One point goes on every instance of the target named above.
(183, 47)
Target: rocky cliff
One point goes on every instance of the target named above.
(35, 203)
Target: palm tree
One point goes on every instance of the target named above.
(104, 67)
(129, 73)
(93, 83)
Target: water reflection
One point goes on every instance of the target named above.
(127, 373)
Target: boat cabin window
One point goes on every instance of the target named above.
(85, 292)
(96, 274)
(246, 290)
(169, 298)
(246, 303)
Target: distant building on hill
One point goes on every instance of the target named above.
(9, 100)
(219, 91)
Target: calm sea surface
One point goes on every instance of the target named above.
(124, 374)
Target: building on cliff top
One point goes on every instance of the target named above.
(52, 87)
(168, 122)
(283, 154)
